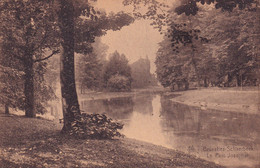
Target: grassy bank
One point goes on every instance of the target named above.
(37, 143)
(227, 99)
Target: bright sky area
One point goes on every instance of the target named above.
(136, 40)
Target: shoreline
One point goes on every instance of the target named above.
(217, 99)
(46, 144)
(38, 143)
(93, 95)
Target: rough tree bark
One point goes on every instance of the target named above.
(205, 82)
(29, 89)
(186, 84)
(70, 105)
(238, 80)
(6, 109)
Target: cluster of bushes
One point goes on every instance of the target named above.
(97, 126)
(117, 73)
(118, 83)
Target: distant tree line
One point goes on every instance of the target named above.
(207, 42)
(95, 72)
(212, 48)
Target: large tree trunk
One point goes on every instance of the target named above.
(29, 89)
(6, 109)
(186, 85)
(228, 80)
(238, 80)
(70, 105)
(205, 82)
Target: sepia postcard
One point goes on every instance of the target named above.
(129, 83)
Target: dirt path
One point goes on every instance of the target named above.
(37, 143)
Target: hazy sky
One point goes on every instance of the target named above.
(136, 40)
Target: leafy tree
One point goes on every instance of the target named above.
(69, 11)
(171, 68)
(117, 65)
(181, 58)
(205, 59)
(11, 88)
(26, 30)
(32, 27)
(118, 83)
(11, 83)
(89, 72)
(43, 90)
(234, 41)
(90, 67)
(190, 7)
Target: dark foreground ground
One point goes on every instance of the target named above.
(28, 143)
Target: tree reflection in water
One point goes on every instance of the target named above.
(211, 134)
(155, 118)
(116, 108)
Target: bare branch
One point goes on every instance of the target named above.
(45, 58)
(42, 41)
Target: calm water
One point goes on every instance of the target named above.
(229, 139)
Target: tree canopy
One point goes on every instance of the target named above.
(28, 30)
(117, 65)
(211, 47)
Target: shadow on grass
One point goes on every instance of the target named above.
(28, 143)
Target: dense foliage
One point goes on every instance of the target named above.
(89, 72)
(118, 72)
(90, 67)
(211, 48)
(190, 7)
(44, 92)
(95, 126)
(118, 83)
(11, 88)
(28, 31)
(203, 44)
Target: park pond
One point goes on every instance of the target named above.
(226, 138)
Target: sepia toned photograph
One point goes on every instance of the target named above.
(129, 84)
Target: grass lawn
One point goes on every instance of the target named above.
(232, 99)
(29, 143)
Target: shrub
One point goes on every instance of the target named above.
(119, 83)
(116, 65)
(97, 126)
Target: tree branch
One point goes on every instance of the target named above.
(53, 53)
(42, 41)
